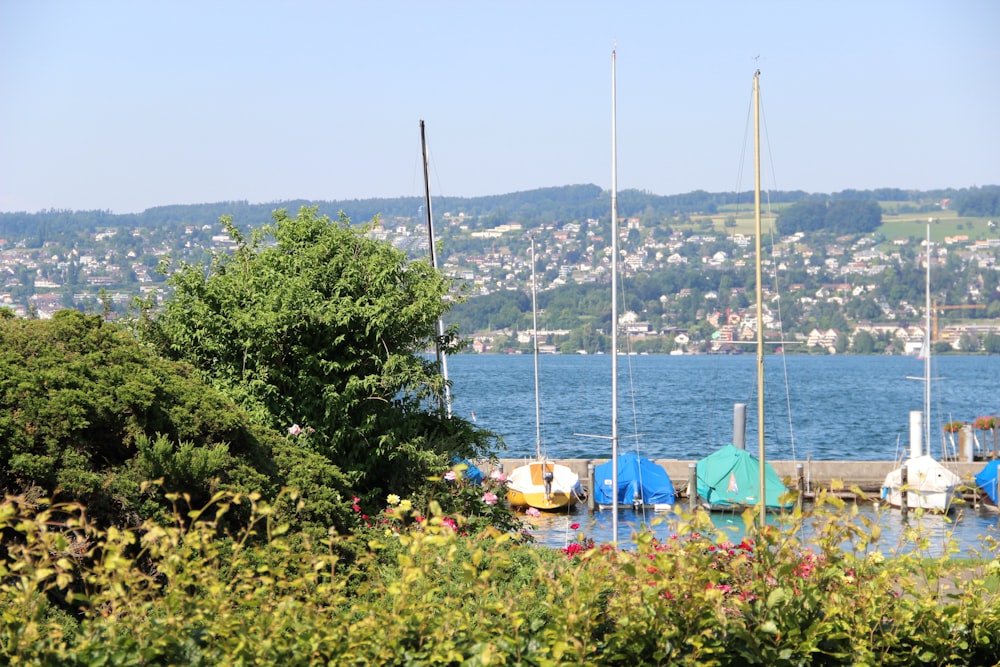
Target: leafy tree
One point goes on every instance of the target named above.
(311, 324)
(847, 216)
(991, 343)
(980, 202)
(863, 343)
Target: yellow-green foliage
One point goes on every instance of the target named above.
(71, 594)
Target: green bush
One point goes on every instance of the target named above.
(88, 414)
(74, 594)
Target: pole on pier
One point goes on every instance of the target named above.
(801, 484)
(967, 444)
(740, 425)
(692, 486)
(591, 476)
(904, 501)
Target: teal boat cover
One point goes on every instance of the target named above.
(641, 481)
(730, 477)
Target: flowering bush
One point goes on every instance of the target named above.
(73, 594)
(457, 501)
(953, 427)
(986, 423)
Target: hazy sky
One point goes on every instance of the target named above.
(129, 105)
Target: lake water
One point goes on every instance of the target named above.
(681, 407)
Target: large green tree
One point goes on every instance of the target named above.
(310, 324)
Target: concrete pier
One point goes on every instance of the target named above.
(866, 475)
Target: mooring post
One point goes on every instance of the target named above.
(591, 500)
(740, 425)
(904, 502)
(692, 486)
(801, 483)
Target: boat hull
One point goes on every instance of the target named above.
(930, 486)
(930, 501)
(544, 485)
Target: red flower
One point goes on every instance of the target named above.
(574, 526)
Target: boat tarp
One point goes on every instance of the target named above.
(470, 471)
(986, 479)
(730, 477)
(640, 481)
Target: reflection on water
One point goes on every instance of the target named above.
(973, 531)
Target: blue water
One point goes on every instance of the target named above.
(823, 407)
(972, 532)
(681, 407)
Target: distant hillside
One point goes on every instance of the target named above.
(570, 202)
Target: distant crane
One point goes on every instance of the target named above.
(936, 309)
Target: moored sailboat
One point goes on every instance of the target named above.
(926, 483)
(630, 480)
(542, 483)
(726, 479)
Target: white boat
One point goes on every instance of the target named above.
(929, 485)
(542, 484)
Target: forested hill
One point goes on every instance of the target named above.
(571, 202)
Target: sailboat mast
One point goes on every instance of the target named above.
(442, 362)
(534, 338)
(930, 343)
(614, 306)
(760, 297)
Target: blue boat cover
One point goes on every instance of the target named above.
(730, 477)
(640, 480)
(471, 472)
(986, 479)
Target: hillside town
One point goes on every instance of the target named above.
(106, 270)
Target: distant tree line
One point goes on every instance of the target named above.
(531, 207)
(978, 202)
(847, 216)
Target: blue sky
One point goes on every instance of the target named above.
(128, 105)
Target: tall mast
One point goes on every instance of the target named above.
(614, 306)
(442, 361)
(534, 338)
(930, 343)
(760, 297)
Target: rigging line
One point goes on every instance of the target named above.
(631, 376)
(632, 398)
(776, 282)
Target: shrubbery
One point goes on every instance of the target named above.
(87, 414)
(71, 593)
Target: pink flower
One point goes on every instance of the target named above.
(490, 498)
(533, 511)
(498, 476)
(448, 521)
(450, 475)
(574, 526)
(294, 429)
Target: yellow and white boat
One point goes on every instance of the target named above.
(544, 485)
